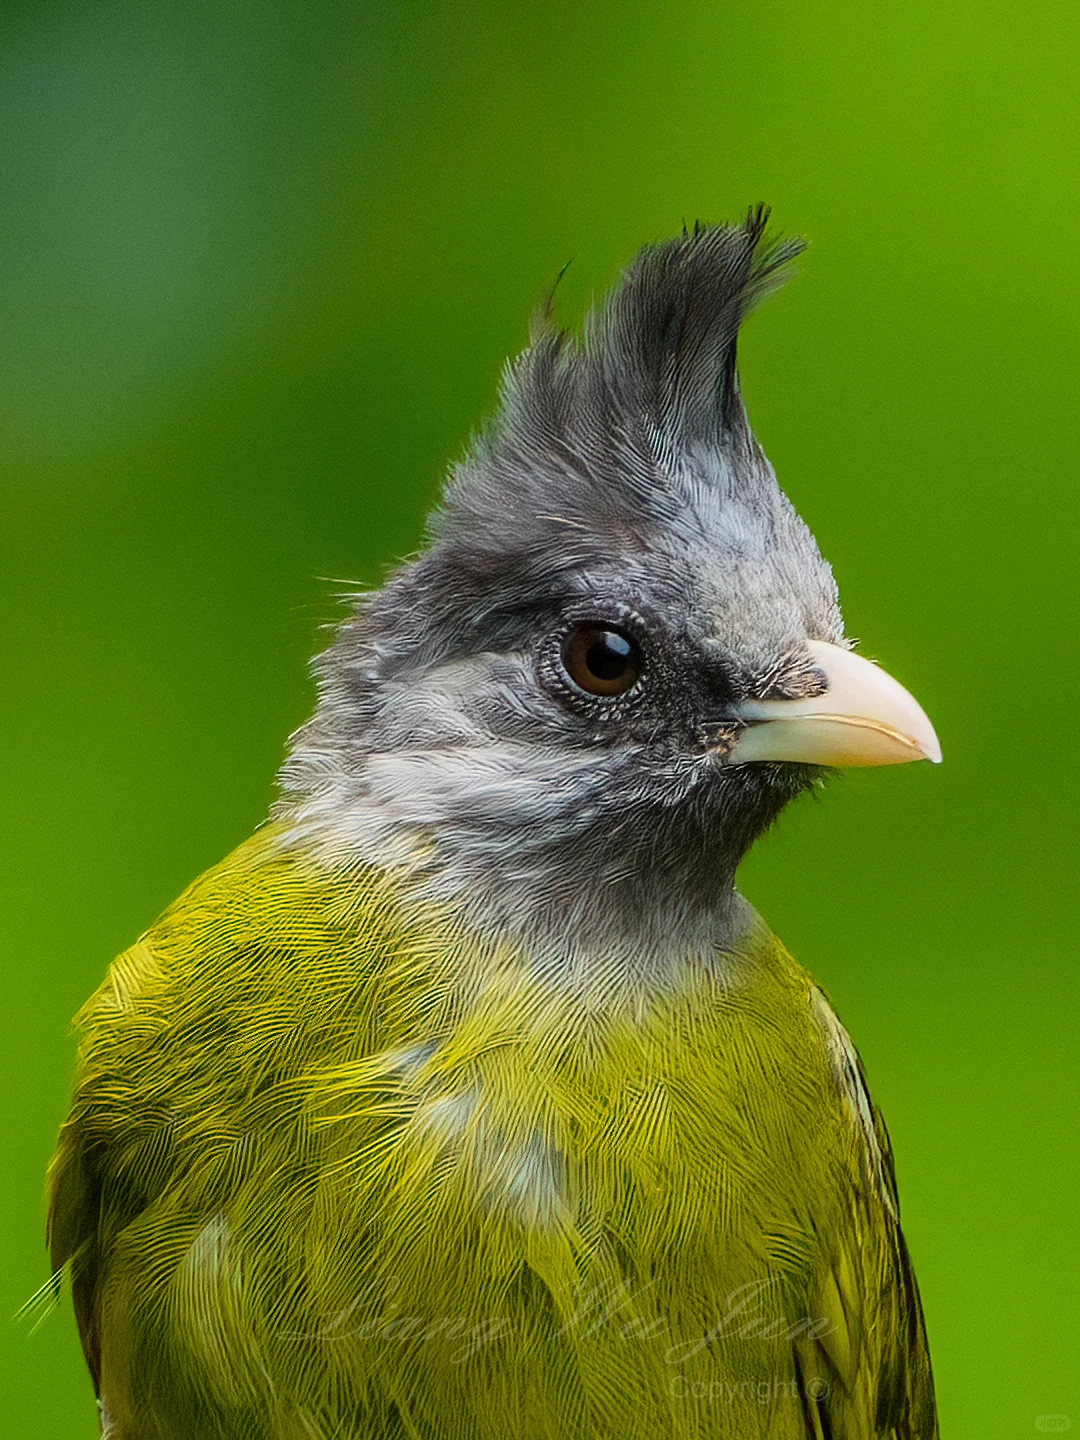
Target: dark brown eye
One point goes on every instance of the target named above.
(601, 661)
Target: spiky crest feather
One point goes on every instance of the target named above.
(653, 379)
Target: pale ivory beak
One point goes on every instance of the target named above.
(864, 718)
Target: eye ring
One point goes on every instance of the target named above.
(601, 659)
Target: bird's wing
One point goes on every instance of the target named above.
(863, 1365)
(88, 1203)
(74, 1199)
(85, 1204)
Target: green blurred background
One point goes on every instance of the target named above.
(261, 264)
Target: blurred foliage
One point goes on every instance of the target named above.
(261, 265)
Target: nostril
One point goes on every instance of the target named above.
(796, 677)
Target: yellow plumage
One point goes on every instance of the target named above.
(338, 1168)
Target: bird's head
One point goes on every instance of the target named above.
(620, 653)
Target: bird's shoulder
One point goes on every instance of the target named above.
(259, 963)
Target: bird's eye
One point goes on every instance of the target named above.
(602, 661)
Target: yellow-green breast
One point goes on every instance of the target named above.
(331, 1174)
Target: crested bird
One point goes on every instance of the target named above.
(468, 1099)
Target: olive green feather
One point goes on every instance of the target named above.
(336, 1168)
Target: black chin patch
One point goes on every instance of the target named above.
(751, 796)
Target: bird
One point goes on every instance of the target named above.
(468, 1099)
